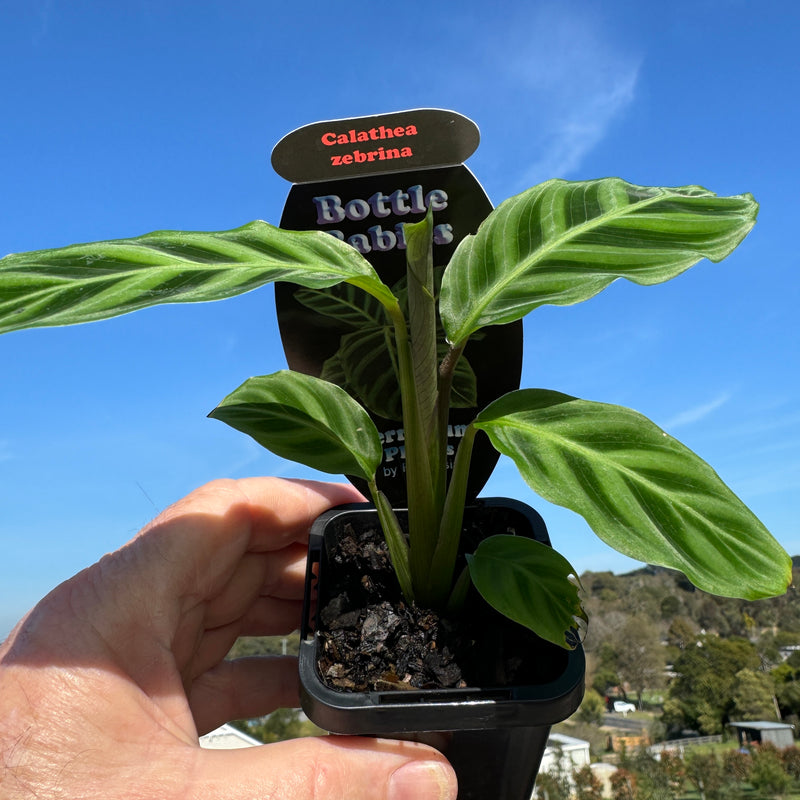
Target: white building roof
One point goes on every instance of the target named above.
(565, 742)
(226, 737)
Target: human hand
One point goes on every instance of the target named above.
(106, 684)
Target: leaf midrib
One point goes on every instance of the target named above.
(544, 250)
(635, 476)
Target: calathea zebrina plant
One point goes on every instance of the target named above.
(559, 243)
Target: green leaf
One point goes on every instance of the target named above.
(351, 308)
(561, 243)
(306, 420)
(87, 282)
(641, 491)
(532, 584)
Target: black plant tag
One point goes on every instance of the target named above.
(342, 334)
(396, 142)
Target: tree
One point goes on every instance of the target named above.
(654, 779)
(623, 785)
(706, 772)
(682, 633)
(787, 687)
(640, 655)
(587, 784)
(592, 708)
(791, 761)
(768, 774)
(738, 764)
(674, 769)
(753, 696)
(605, 673)
(701, 697)
(670, 606)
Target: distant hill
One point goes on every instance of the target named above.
(665, 595)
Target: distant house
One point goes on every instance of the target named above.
(226, 737)
(569, 748)
(778, 733)
(788, 650)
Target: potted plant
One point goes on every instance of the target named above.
(559, 243)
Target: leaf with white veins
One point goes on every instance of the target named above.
(563, 242)
(87, 282)
(641, 491)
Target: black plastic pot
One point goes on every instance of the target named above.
(494, 736)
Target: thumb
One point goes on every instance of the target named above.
(329, 768)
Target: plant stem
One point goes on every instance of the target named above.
(444, 557)
(422, 517)
(447, 370)
(395, 540)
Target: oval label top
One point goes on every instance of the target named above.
(395, 142)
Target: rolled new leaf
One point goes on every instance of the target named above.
(532, 584)
(87, 282)
(641, 491)
(563, 242)
(307, 420)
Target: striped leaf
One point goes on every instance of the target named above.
(87, 282)
(351, 308)
(641, 491)
(368, 360)
(306, 420)
(532, 584)
(561, 243)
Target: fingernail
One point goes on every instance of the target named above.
(422, 780)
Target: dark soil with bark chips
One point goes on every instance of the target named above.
(371, 639)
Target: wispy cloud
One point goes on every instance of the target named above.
(581, 127)
(696, 413)
(567, 81)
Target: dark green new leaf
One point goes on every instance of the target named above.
(640, 490)
(532, 584)
(307, 420)
(366, 362)
(422, 322)
(561, 243)
(87, 282)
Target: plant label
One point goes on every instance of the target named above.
(361, 180)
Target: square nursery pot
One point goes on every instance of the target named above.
(493, 729)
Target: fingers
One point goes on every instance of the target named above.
(200, 540)
(267, 617)
(278, 575)
(331, 768)
(283, 510)
(188, 556)
(243, 689)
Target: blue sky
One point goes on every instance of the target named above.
(118, 119)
